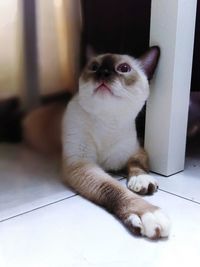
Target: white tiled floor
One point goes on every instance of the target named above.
(27, 181)
(44, 224)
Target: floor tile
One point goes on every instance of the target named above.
(27, 181)
(76, 233)
(186, 183)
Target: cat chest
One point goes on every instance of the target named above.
(115, 149)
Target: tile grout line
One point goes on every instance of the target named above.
(63, 199)
(173, 194)
(38, 208)
(43, 206)
(185, 198)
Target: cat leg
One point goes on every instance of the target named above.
(139, 179)
(134, 212)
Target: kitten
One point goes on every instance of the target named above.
(99, 135)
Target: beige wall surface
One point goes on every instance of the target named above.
(58, 25)
(10, 48)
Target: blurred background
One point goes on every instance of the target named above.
(43, 44)
(39, 48)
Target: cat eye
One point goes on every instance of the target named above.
(94, 66)
(124, 67)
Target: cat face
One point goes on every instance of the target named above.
(110, 82)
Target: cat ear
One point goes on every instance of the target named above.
(90, 52)
(149, 61)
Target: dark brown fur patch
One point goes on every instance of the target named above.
(130, 79)
(105, 69)
(156, 235)
(96, 185)
(111, 197)
(138, 164)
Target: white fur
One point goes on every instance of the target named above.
(137, 183)
(99, 127)
(150, 222)
(104, 142)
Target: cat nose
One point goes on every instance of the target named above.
(104, 72)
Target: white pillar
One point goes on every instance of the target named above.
(172, 28)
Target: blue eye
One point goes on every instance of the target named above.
(124, 67)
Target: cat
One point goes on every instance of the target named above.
(98, 135)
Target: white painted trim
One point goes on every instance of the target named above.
(172, 28)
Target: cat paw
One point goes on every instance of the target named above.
(153, 225)
(143, 184)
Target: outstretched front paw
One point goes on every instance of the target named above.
(143, 184)
(153, 225)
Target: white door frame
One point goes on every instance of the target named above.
(172, 28)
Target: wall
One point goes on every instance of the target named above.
(116, 26)
(123, 27)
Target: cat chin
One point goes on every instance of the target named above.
(101, 105)
(104, 94)
(108, 105)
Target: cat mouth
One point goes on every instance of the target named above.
(103, 88)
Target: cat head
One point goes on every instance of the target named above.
(110, 82)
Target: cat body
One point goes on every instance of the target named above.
(109, 142)
(99, 135)
(106, 120)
